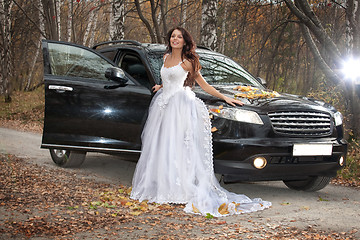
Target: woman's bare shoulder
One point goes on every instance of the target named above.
(187, 65)
(165, 56)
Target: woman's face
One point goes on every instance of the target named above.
(176, 39)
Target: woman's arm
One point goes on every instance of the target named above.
(187, 65)
(211, 90)
(156, 87)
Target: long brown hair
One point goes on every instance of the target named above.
(188, 52)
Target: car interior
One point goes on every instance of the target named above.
(135, 68)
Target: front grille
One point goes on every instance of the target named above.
(301, 123)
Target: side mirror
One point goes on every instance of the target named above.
(262, 81)
(115, 74)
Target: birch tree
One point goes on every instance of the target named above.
(208, 33)
(117, 20)
(94, 26)
(69, 21)
(5, 49)
(38, 45)
(90, 23)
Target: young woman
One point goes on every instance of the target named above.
(176, 162)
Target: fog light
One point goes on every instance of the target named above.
(259, 162)
(341, 161)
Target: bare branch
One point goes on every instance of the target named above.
(29, 18)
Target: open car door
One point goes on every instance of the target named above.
(84, 110)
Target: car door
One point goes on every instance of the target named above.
(83, 109)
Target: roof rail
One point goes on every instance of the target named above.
(203, 47)
(117, 41)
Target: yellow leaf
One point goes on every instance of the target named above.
(128, 191)
(214, 129)
(144, 203)
(215, 110)
(195, 210)
(136, 213)
(129, 204)
(223, 209)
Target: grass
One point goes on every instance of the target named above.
(25, 111)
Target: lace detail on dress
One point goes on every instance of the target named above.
(173, 79)
(187, 139)
(207, 136)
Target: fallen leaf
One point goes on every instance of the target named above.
(195, 210)
(223, 209)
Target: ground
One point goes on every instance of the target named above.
(39, 200)
(41, 203)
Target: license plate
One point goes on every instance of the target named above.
(312, 149)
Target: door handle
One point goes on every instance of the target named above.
(60, 88)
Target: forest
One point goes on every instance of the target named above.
(303, 47)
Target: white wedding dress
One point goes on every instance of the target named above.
(176, 162)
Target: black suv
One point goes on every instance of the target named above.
(97, 100)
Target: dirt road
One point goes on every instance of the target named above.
(333, 209)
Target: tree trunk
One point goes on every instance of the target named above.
(117, 23)
(353, 49)
(69, 21)
(50, 19)
(223, 29)
(89, 24)
(164, 9)
(57, 14)
(208, 24)
(183, 13)
(154, 8)
(94, 26)
(303, 12)
(145, 21)
(38, 46)
(5, 49)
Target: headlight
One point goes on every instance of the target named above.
(338, 118)
(236, 114)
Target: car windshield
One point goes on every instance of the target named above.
(216, 69)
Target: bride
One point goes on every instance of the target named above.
(176, 162)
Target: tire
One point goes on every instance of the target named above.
(67, 158)
(312, 184)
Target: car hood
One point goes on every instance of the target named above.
(280, 102)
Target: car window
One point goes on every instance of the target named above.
(132, 64)
(109, 54)
(216, 69)
(222, 70)
(68, 60)
(156, 61)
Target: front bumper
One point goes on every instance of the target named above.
(234, 160)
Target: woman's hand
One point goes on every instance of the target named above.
(156, 87)
(233, 101)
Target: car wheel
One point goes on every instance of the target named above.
(67, 158)
(312, 184)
